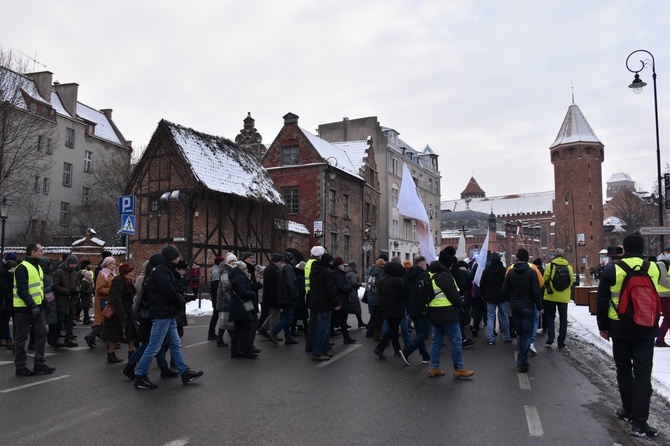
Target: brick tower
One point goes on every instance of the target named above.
(577, 155)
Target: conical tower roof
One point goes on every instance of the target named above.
(575, 128)
(473, 190)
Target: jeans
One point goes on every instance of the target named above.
(422, 327)
(491, 322)
(285, 322)
(550, 311)
(162, 329)
(524, 321)
(139, 351)
(321, 333)
(453, 330)
(536, 320)
(634, 359)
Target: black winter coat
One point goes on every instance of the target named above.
(240, 292)
(323, 288)
(165, 298)
(415, 305)
(270, 284)
(120, 328)
(522, 287)
(343, 288)
(392, 289)
(492, 282)
(444, 280)
(287, 286)
(65, 288)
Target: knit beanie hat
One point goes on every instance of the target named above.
(170, 253)
(275, 258)
(337, 261)
(107, 260)
(633, 244)
(218, 260)
(326, 258)
(352, 264)
(125, 268)
(231, 258)
(245, 255)
(71, 260)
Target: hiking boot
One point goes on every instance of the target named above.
(167, 372)
(129, 371)
(623, 415)
(90, 342)
(404, 358)
(522, 368)
(644, 431)
(462, 373)
(142, 382)
(435, 372)
(24, 371)
(43, 369)
(113, 359)
(189, 376)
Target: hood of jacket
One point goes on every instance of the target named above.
(157, 259)
(319, 266)
(437, 267)
(521, 267)
(414, 273)
(394, 269)
(560, 261)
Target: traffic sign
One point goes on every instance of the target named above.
(127, 204)
(128, 224)
(655, 230)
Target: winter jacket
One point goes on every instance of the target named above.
(415, 304)
(120, 328)
(373, 296)
(353, 305)
(86, 293)
(223, 291)
(103, 284)
(445, 281)
(323, 288)
(392, 289)
(492, 281)
(549, 274)
(52, 316)
(343, 288)
(270, 281)
(287, 286)
(194, 277)
(66, 288)
(165, 298)
(522, 287)
(240, 292)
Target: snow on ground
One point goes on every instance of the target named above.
(582, 325)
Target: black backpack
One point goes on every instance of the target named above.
(426, 289)
(561, 280)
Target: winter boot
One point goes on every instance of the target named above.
(219, 338)
(167, 372)
(129, 371)
(112, 359)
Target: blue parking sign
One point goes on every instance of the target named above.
(127, 204)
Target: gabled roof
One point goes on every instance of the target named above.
(505, 204)
(620, 177)
(346, 156)
(575, 128)
(222, 166)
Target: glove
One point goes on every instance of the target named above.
(36, 312)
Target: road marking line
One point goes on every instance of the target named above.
(34, 384)
(6, 362)
(195, 345)
(340, 355)
(177, 442)
(524, 382)
(46, 355)
(533, 419)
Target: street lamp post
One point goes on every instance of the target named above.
(571, 201)
(4, 213)
(637, 86)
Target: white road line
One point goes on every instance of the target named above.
(194, 345)
(177, 442)
(533, 419)
(524, 382)
(6, 362)
(74, 423)
(46, 355)
(340, 355)
(56, 378)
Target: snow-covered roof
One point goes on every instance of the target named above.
(333, 154)
(616, 222)
(95, 240)
(575, 128)
(222, 166)
(22, 83)
(504, 204)
(292, 226)
(103, 128)
(620, 177)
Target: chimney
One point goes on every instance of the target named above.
(68, 96)
(43, 82)
(107, 112)
(290, 118)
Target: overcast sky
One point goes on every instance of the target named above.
(485, 83)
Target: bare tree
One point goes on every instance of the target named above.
(632, 210)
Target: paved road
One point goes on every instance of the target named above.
(283, 398)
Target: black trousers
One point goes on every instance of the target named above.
(391, 336)
(242, 340)
(634, 359)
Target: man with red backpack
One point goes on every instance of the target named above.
(632, 339)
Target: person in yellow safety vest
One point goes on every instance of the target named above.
(557, 299)
(443, 314)
(632, 347)
(28, 296)
(663, 289)
(316, 252)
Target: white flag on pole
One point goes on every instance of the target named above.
(481, 260)
(409, 205)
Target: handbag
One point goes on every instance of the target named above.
(247, 304)
(108, 312)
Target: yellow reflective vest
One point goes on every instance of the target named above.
(440, 299)
(35, 285)
(615, 289)
(308, 271)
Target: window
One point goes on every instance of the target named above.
(396, 228)
(333, 244)
(367, 212)
(86, 196)
(45, 185)
(394, 197)
(36, 186)
(420, 180)
(38, 227)
(332, 202)
(44, 144)
(67, 174)
(289, 156)
(406, 230)
(347, 241)
(292, 200)
(394, 166)
(372, 178)
(88, 161)
(69, 138)
(414, 232)
(153, 204)
(345, 205)
(430, 184)
(64, 213)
